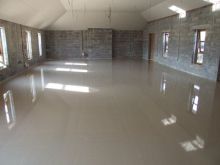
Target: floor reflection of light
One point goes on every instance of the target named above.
(71, 70)
(169, 121)
(54, 86)
(42, 79)
(194, 99)
(33, 88)
(9, 109)
(70, 88)
(193, 145)
(76, 88)
(76, 64)
(163, 84)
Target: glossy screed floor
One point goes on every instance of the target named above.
(118, 112)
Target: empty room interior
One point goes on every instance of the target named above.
(109, 82)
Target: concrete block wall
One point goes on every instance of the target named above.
(181, 45)
(127, 43)
(99, 43)
(63, 44)
(15, 40)
(96, 43)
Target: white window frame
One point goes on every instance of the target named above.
(29, 45)
(199, 51)
(40, 44)
(5, 62)
(166, 37)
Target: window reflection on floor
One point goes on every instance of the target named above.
(76, 64)
(193, 145)
(33, 88)
(194, 99)
(169, 121)
(70, 88)
(163, 84)
(71, 70)
(9, 109)
(42, 79)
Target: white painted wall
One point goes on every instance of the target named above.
(57, 14)
(80, 20)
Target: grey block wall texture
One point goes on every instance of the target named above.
(14, 35)
(181, 43)
(127, 43)
(97, 43)
(63, 44)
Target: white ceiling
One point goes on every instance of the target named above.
(83, 14)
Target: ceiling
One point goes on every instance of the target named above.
(83, 14)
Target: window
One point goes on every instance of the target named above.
(166, 36)
(3, 49)
(29, 45)
(40, 44)
(200, 46)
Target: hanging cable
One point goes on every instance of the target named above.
(179, 35)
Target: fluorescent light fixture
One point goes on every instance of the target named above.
(76, 64)
(216, 4)
(72, 88)
(181, 12)
(71, 70)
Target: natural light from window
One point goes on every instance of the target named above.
(216, 4)
(197, 144)
(33, 88)
(71, 70)
(3, 49)
(10, 114)
(169, 121)
(70, 88)
(28, 45)
(76, 64)
(40, 43)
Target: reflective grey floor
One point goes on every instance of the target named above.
(119, 112)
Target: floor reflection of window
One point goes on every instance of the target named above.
(9, 109)
(42, 79)
(194, 99)
(193, 145)
(70, 88)
(163, 84)
(33, 88)
(169, 121)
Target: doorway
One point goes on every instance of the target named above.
(152, 46)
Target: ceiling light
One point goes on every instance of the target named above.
(181, 12)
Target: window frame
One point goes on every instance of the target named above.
(3, 42)
(39, 36)
(199, 50)
(28, 40)
(166, 36)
